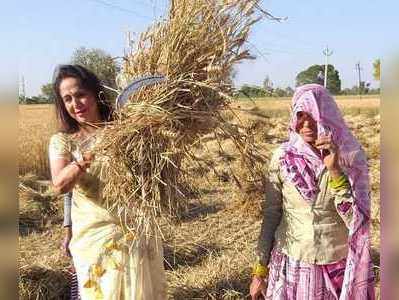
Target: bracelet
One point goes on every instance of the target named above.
(260, 270)
(78, 165)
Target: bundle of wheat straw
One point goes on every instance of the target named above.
(195, 49)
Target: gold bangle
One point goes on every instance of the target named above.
(260, 270)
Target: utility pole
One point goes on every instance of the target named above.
(327, 52)
(358, 69)
(22, 91)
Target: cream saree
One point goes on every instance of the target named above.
(111, 263)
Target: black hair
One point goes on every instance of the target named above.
(88, 81)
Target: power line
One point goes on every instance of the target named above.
(286, 51)
(266, 51)
(263, 55)
(121, 8)
(282, 44)
(292, 39)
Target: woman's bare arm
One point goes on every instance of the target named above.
(65, 174)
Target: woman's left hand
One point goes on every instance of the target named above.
(331, 159)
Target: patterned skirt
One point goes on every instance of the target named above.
(73, 284)
(290, 279)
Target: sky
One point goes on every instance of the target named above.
(44, 33)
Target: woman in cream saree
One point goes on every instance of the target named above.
(111, 262)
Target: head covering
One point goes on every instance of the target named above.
(302, 166)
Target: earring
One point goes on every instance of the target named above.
(101, 97)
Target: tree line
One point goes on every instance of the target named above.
(106, 68)
(313, 74)
(98, 61)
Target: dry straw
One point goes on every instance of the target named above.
(153, 143)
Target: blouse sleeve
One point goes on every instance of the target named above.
(59, 147)
(345, 194)
(272, 211)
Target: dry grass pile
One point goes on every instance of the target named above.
(250, 190)
(263, 133)
(195, 49)
(38, 209)
(43, 272)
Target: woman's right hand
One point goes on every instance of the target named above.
(83, 164)
(88, 157)
(257, 288)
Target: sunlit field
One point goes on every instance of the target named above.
(209, 254)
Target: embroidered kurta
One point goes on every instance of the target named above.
(315, 233)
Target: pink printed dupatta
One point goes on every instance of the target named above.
(302, 167)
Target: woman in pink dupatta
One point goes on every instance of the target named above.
(314, 241)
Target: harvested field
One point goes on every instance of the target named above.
(210, 252)
(36, 124)
(271, 107)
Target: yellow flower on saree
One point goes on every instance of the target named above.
(98, 270)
